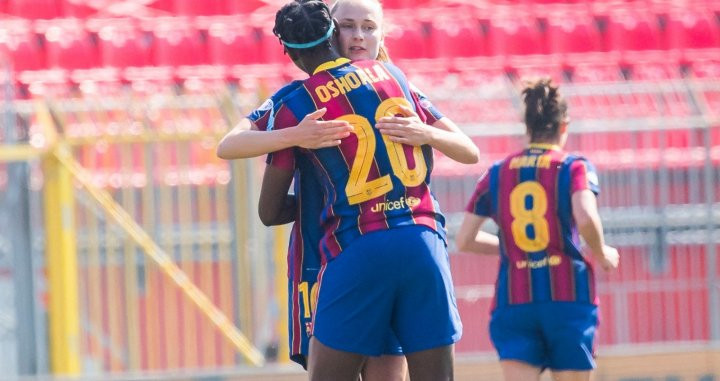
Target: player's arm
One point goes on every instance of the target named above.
(276, 206)
(453, 143)
(443, 135)
(587, 218)
(245, 140)
(471, 239)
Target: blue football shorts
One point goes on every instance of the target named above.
(394, 280)
(300, 323)
(555, 335)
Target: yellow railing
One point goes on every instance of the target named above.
(61, 252)
(117, 318)
(153, 251)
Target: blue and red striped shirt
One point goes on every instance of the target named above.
(529, 196)
(368, 182)
(303, 256)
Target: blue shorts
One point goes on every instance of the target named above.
(390, 280)
(300, 323)
(555, 335)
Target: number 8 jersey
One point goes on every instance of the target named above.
(529, 196)
(369, 183)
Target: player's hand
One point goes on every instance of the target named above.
(609, 258)
(408, 129)
(313, 133)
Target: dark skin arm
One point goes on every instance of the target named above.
(276, 206)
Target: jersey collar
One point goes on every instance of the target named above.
(331, 64)
(547, 146)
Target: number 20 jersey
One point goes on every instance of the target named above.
(529, 196)
(369, 183)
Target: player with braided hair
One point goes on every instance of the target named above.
(385, 264)
(359, 37)
(545, 309)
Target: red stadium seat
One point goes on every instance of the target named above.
(231, 42)
(404, 4)
(706, 67)
(177, 43)
(46, 83)
(150, 80)
(653, 66)
(167, 6)
(21, 46)
(514, 36)
(83, 8)
(269, 47)
(595, 72)
(244, 6)
(631, 30)
(454, 37)
(69, 45)
(98, 81)
(267, 77)
(686, 29)
(122, 44)
(407, 41)
(202, 79)
(35, 9)
(201, 8)
(528, 67)
(572, 33)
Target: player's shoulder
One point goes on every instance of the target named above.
(394, 70)
(388, 66)
(505, 162)
(496, 166)
(572, 158)
(279, 96)
(287, 89)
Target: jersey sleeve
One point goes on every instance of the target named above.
(432, 114)
(480, 202)
(285, 159)
(263, 116)
(583, 176)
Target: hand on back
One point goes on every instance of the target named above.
(313, 133)
(408, 129)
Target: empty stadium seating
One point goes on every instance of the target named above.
(84, 34)
(35, 9)
(20, 46)
(68, 45)
(230, 42)
(468, 56)
(122, 44)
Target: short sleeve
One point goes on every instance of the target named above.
(480, 203)
(283, 118)
(425, 106)
(583, 176)
(262, 116)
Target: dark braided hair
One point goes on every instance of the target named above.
(303, 21)
(545, 109)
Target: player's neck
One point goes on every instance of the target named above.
(546, 143)
(311, 63)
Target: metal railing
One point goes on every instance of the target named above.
(150, 202)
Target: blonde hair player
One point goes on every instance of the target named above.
(359, 37)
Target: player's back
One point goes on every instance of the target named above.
(531, 193)
(369, 182)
